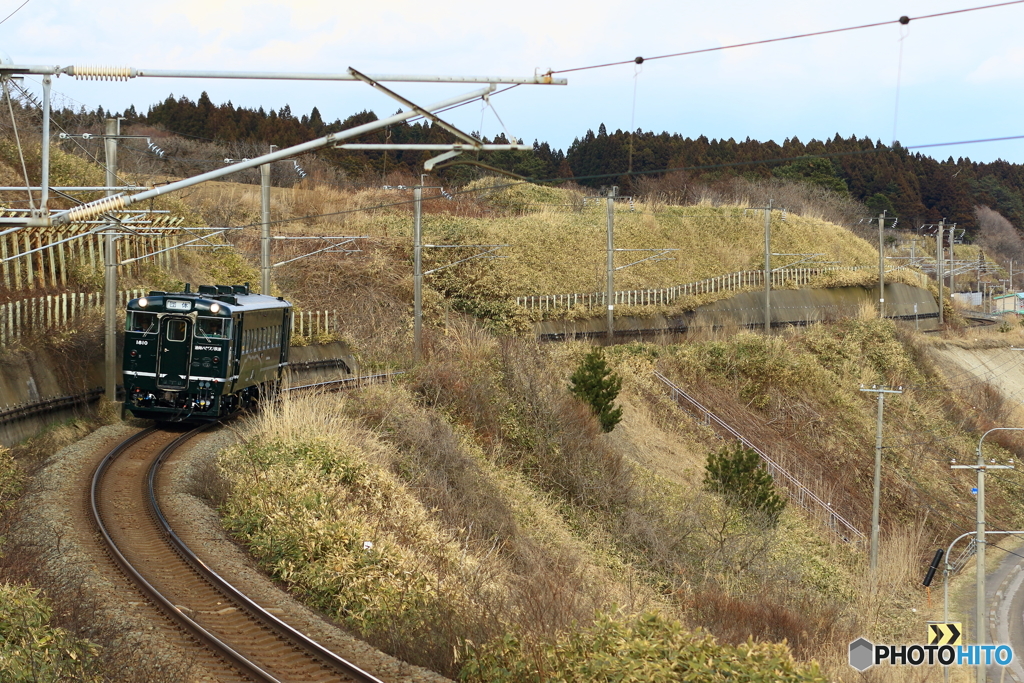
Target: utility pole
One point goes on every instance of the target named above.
(952, 265)
(767, 263)
(112, 128)
(876, 495)
(45, 150)
(881, 262)
(881, 267)
(767, 267)
(981, 615)
(610, 284)
(266, 265)
(939, 249)
(417, 276)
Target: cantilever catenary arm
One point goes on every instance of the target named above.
(117, 202)
(465, 137)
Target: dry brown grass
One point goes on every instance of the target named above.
(499, 551)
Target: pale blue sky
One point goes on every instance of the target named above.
(962, 76)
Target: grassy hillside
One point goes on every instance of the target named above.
(475, 520)
(556, 244)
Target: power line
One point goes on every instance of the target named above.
(15, 11)
(902, 20)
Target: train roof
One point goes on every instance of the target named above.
(219, 300)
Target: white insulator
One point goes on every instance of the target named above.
(104, 73)
(87, 211)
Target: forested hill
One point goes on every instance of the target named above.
(916, 187)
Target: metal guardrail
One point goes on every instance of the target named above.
(798, 492)
(24, 410)
(326, 363)
(349, 382)
(48, 405)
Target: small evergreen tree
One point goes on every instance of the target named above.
(736, 472)
(596, 385)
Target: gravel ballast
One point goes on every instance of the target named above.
(54, 523)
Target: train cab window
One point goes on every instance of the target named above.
(137, 321)
(213, 328)
(176, 330)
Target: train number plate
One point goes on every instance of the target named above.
(178, 305)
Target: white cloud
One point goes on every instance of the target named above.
(1007, 67)
(810, 88)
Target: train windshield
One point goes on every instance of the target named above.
(137, 321)
(213, 328)
(176, 330)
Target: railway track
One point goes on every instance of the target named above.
(236, 639)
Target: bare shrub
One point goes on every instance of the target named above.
(672, 188)
(209, 483)
(998, 236)
(805, 199)
(441, 474)
(806, 626)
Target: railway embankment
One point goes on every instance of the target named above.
(54, 543)
(477, 513)
(745, 310)
(33, 373)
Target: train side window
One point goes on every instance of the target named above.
(213, 328)
(176, 330)
(137, 321)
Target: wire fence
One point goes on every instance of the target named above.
(34, 315)
(53, 311)
(798, 493)
(310, 324)
(729, 282)
(49, 257)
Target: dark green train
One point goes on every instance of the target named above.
(197, 356)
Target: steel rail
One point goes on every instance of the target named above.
(48, 405)
(186, 623)
(297, 637)
(348, 382)
(53, 404)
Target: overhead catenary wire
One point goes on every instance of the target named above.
(17, 139)
(904, 32)
(902, 20)
(16, 10)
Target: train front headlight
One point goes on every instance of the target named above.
(214, 308)
(143, 302)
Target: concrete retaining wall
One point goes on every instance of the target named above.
(788, 307)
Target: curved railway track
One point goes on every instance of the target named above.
(238, 640)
